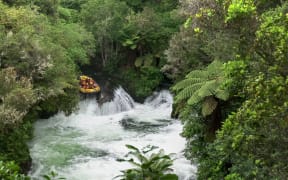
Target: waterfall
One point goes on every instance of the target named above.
(87, 144)
(122, 101)
(163, 97)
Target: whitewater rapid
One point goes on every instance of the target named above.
(87, 144)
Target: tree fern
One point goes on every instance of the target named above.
(209, 105)
(207, 89)
(222, 94)
(186, 82)
(188, 91)
(202, 74)
(203, 85)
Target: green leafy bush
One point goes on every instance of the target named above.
(142, 82)
(153, 167)
(252, 141)
(240, 9)
(38, 66)
(10, 171)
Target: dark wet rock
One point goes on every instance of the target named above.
(26, 166)
(97, 153)
(164, 121)
(107, 92)
(131, 124)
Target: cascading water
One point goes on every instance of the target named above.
(87, 144)
(122, 101)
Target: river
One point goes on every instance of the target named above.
(87, 144)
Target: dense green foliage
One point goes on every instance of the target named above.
(131, 37)
(155, 166)
(250, 38)
(45, 43)
(10, 171)
(143, 84)
(38, 65)
(228, 60)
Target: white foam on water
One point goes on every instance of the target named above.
(87, 144)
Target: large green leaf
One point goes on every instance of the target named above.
(186, 82)
(155, 165)
(188, 92)
(132, 148)
(207, 89)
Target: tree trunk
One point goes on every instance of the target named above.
(213, 123)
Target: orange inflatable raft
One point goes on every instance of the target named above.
(88, 85)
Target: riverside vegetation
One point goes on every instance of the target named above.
(227, 60)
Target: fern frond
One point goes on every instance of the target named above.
(194, 99)
(222, 94)
(186, 83)
(209, 88)
(188, 92)
(209, 105)
(215, 66)
(200, 85)
(202, 74)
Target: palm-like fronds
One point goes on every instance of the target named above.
(222, 94)
(208, 88)
(148, 166)
(188, 91)
(186, 82)
(198, 74)
(203, 85)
